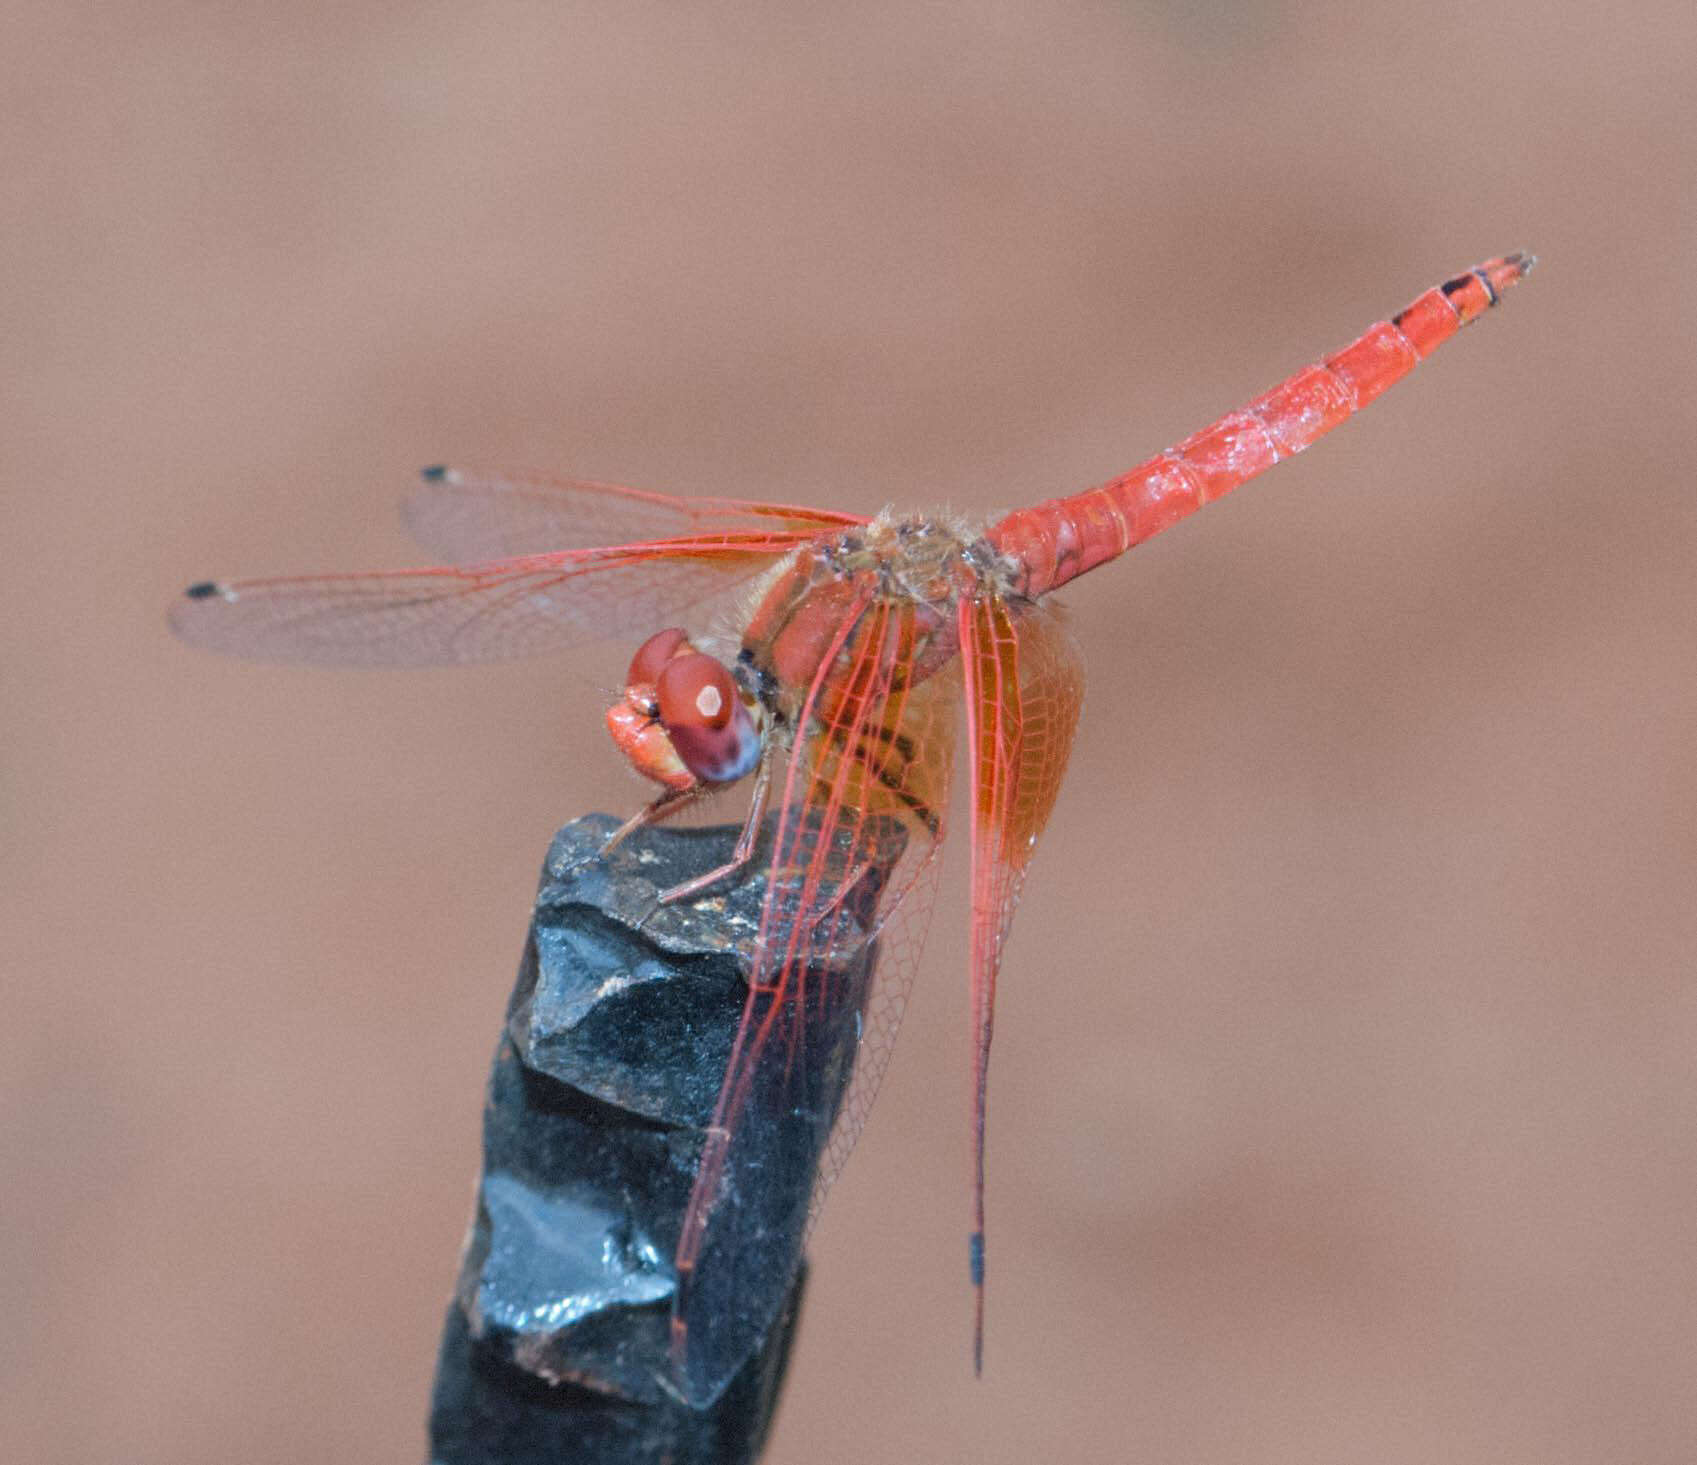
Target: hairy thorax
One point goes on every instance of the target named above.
(890, 588)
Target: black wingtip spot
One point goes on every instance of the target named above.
(435, 473)
(203, 590)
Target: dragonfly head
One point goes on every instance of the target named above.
(683, 720)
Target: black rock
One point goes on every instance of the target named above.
(558, 1343)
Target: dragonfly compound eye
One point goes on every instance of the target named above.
(652, 656)
(703, 713)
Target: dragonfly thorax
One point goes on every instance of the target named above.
(902, 578)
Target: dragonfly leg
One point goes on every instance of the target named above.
(744, 850)
(668, 803)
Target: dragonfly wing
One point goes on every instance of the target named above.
(482, 612)
(1024, 684)
(854, 839)
(465, 515)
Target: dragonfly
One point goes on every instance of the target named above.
(862, 641)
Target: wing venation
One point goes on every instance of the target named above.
(482, 612)
(467, 515)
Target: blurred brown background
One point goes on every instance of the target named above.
(1343, 1106)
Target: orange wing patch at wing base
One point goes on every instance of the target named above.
(853, 846)
(471, 613)
(1024, 685)
(467, 515)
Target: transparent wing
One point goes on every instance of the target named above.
(482, 612)
(856, 832)
(465, 515)
(1024, 685)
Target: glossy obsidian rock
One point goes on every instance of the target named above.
(605, 1078)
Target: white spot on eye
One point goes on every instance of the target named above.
(708, 701)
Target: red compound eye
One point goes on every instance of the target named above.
(652, 656)
(695, 691)
(704, 715)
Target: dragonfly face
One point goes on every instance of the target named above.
(684, 721)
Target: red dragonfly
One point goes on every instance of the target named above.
(839, 699)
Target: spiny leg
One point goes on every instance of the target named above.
(672, 801)
(744, 850)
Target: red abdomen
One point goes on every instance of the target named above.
(1057, 541)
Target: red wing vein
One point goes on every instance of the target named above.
(468, 515)
(480, 612)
